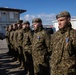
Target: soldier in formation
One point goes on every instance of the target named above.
(63, 47)
(7, 38)
(40, 48)
(42, 54)
(27, 47)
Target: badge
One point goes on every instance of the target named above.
(38, 37)
(67, 40)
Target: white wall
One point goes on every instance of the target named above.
(73, 22)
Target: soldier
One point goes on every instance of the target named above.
(40, 48)
(11, 38)
(63, 46)
(19, 43)
(7, 35)
(27, 47)
(15, 29)
(12, 41)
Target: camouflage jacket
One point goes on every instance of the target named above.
(20, 37)
(40, 43)
(27, 40)
(7, 35)
(12, 37)
(15, 38)
(63, 46)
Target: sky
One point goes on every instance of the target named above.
(44, 9)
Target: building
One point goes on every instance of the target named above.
(9, 16)
(73, 22)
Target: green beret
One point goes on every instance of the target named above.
(63, 14)
(37, 20)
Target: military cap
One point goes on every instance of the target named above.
(37, 20)
(63, 14)
(26, 22)
(20, 21)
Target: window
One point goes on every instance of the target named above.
(16, 15)
(0, 14)
(11, 15)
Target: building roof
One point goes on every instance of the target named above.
(12, 9)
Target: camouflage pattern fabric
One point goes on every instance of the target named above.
(20, 37)
(27, 50)
(7, 37)
(15, 38)
(40, 47)
(27, 40)
(11, 37)
(63, 58)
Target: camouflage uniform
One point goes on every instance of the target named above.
(7, 35)
(63, 46)
(15, 38)
(19, 46)
(11, 39)
(19, 42)
(20, 38)
(27, 42)
(15, 41)
(40, 47)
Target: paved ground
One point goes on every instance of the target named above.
(7, 65)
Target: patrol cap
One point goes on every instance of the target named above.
(20, 21)
(37, 20)
(26, 22)
(63, 14)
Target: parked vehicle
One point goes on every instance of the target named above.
(50, 30)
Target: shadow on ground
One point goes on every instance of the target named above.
(8, 66)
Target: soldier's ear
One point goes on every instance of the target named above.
(69, 19)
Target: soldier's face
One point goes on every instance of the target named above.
(62, 22)
(14, 27)
(24, 26)
(28, 26)
(10, 27)
(36, 26)
(19, 25)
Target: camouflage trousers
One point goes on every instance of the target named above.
(28, 62)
